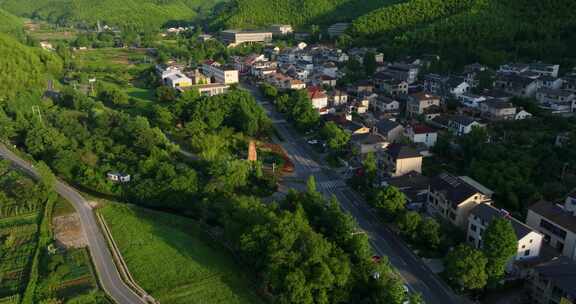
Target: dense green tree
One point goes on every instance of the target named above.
(466, 267)
(499, 246)
(389, 201)
(336, 138)
(370, 168)
(369, 62)
(408, 223)
(166, 94)
(429, 233)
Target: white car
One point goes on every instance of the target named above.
(406, 294)
(313, 142)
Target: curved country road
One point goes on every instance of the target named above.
(108, 274)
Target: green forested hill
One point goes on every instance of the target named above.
(490, 31)
(9, 23)
(24, 69)
(125, 13)
(259, 13)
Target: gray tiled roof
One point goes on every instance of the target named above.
(487, 213)
(561, 272)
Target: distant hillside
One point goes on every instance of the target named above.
(10, 23)
(259, 13)
(24, 69)
(125, 13)
(490, 31)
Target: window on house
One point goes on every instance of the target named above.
(473, 228)
(527, 252)
(523, 246)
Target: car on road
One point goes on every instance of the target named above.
(313, 142)
(406, 294)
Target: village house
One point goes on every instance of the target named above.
(453, 198)
(462, 125)
(234, 38)
(558, 101)
(421, 134)
(550, 82)
(495, 109)
(522, 114)
(220, 73)
(384, 104)
(390, 130)
(318, 97)
(471, 100)
(283, 82)
(423, 104)
(118, 177)
(557, 223)
(569, 83)
(244, 65)
(413, 185)
(354, 128)
(403, 72)
(401, 159)
(326, 81)
(517, 85)
(389, 85)
(337, 98)
(178, 80)
(281, 29)
(211, 89)
(544, 69)
(369, 143)
(529, 241)
(472, 73)
(552, 282)
(445, 86)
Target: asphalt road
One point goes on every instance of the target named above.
(414, 272)
(108, 274)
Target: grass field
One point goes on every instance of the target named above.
(171, 258)
(109, 58)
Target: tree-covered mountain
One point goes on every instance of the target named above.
(490, 31)
(259, 13)
(139, 14)
(9, 23)
(24, 69)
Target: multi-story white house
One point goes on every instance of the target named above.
(462, 125)
(471, 100)
(421, 134)
(423, 104)
(318, 97)
(178, 80)
(220, 73)
(281, 29)
(529, 240)
(453, 198)
(495, 109)
(557, 223)
(401, 160)
(236, 37)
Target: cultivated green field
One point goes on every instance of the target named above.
(108, 59)
(171, 258)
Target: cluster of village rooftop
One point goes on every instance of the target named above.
(400, 92)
